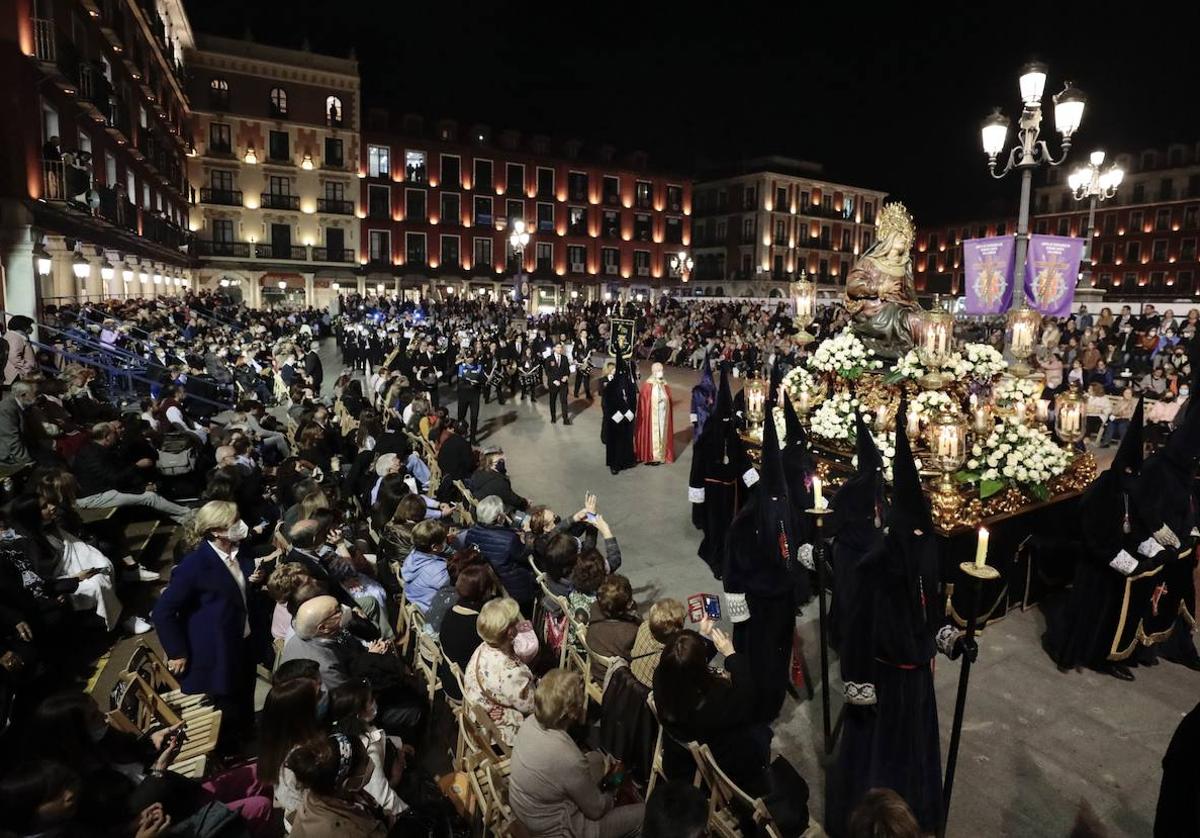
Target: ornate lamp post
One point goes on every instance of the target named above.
(1028, 154)
(1089, 182)
(518, 240)
(682, 264)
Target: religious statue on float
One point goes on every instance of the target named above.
(880, 296)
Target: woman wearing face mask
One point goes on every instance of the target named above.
(334, 771)
(213, 617)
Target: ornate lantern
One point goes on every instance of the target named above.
(804, 296)
(756, 399)
(1070, 424)
(1023, 326)
(934, 338)
(946, 434)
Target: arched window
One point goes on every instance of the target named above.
(333, 110)
(218, 94)
(278, 101)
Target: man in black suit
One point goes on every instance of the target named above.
(558, 373)
(313, 368)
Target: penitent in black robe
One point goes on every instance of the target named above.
(619, 399)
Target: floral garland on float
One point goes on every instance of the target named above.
(982, 432)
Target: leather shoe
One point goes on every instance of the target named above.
(1120, 672)
(566, 421)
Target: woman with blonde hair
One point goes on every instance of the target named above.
(554, 787)
(496, 679)
(212, 618)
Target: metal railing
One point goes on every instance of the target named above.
(338, 206)
(291, 252)
(238, 250)
(224, 197)
(324, 254)
(44, 41)
(275, 200)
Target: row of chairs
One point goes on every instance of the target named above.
(147, 696)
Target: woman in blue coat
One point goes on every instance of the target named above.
(210, 618)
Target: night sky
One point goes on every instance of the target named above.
(890, 100)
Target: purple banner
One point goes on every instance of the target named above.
(989, 274)
(1051, 271)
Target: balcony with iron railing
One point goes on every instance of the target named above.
(45, 40)
(335, 206)
(236, 250)
(325, 254)
(275, 200)
(223, 197)
(290, 252)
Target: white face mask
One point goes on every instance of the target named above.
(237, 532)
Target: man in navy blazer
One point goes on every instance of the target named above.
(211, 618)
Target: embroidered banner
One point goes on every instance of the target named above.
(1051, 272)
(988, 267)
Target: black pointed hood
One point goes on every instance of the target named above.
(1131, 452)
(724, 406)
(771, 474)
(856, 505)
(706, 382)
(909, 508)
(793, 430)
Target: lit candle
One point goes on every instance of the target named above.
(974, 401)
(1019, 409)
(818, 501)
(804, 405)
(981, 420)
(1043, 410)
(914, 423)
(981, 548)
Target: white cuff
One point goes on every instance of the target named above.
(805, 556)
(750, 477)
(737, 608)
(945, 638)
(618, 416)
(860, 694)
(1165, 536)
(1150, 548)
(695, 495)
(1124, 563)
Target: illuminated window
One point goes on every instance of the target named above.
(611, 226)
(218, 94)
(577, 221)
(414, 166)
(378, 161)
(545, 218)
(279, 105)
(643, 194)
(333, 111)
(483, 212)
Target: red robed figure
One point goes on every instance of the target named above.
(643, 440)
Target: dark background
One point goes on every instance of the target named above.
(886, 98)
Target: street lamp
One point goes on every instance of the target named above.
(41, 261)
(682, 264)
(518, 239)
(1030, 152)
(1095, 185)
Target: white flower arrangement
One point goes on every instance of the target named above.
(911, 367)
(799, 380)
(1015, 455)
(834, 419)
(929, 403)
(1009, 391)
(982, 362)
(844, 355)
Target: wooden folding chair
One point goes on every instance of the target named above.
(139, 709)
(726, 798)
(427, 661)
(469, 498)
(656, 761)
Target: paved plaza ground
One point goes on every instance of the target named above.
(1036, 742)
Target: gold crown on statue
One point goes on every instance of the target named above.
(894, 218)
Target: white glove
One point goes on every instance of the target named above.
(737, 608)
(1124, 563)
(618, 416)
(629, 415)
(750, 477)
(695, 495)
(693, 418)
(1150, 548)
(1165, 536)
